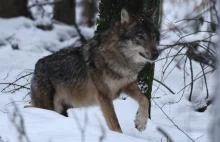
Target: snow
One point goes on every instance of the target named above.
(44, 125)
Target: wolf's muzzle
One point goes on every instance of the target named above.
(154, 55)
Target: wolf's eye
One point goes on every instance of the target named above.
(154, 36)
(140, 36)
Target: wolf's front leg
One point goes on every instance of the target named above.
(107, 108)
(134, 92)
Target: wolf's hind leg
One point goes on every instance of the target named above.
(60, 106)
(107, 108)
(134, 92)
(42, 93)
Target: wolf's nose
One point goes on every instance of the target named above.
(155, 55)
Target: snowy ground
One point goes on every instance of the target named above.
(44, 126)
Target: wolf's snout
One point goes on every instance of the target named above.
(155, 55)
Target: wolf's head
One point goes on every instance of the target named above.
(138, 38)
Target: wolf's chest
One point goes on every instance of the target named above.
(115, 86)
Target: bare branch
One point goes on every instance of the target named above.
(206, 85)
(164, 85)
(165, 134)
(18, 122)
(173, 122)
(194, 80)
(191, 90)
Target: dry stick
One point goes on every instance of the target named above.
(170, 57)
(173, 59)
(26, 95)
(82, 37)
(14, 102)
(165, 134)
(188, 43)
(184, 80)
(199, 137)
(81, 128)
(103, 136)
(196, 19)
(9, 84)
(172, 69)
(19, 127)
(3, 111)
(16, 89)
(196, 33)
(26, 71)
(201, 71)
(206, 85)
(172, 121)
(160, 89)
(162, 73)
(8, 73)
(164, 85)
(191, 90)
(194, 81)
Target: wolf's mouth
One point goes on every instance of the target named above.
(143, 55)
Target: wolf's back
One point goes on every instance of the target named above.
(66, 67)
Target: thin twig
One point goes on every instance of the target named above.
(81, 128)
(191, 90)
(169, 139)
(82, 37)
(184, 80)
(173, 122)
(13, 83)
(194, 81)
(18, 118)
(9, 84)
(206, 85)
(164, 85)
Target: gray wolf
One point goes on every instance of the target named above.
(96, 73)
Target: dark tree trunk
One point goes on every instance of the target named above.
(215, 128)
(13, 8)
(89, 12)
(110, 13)
(64, 11)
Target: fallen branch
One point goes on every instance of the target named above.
(206, 85)
(192, 82)
(13, 84)
(173, 121)
(164, 85)
(18, 121)
(165, 134)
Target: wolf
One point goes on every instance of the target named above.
(97, 72)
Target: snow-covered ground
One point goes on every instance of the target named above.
(172, 113)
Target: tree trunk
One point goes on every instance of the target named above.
(64, 11)
(216, 115)
(13, 8)
(110, 13)
(89, 12)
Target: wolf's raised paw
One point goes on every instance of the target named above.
(141, 121)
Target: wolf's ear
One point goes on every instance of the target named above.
(151, 14)
(124, 16)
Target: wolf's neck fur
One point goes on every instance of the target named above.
(108, 57)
